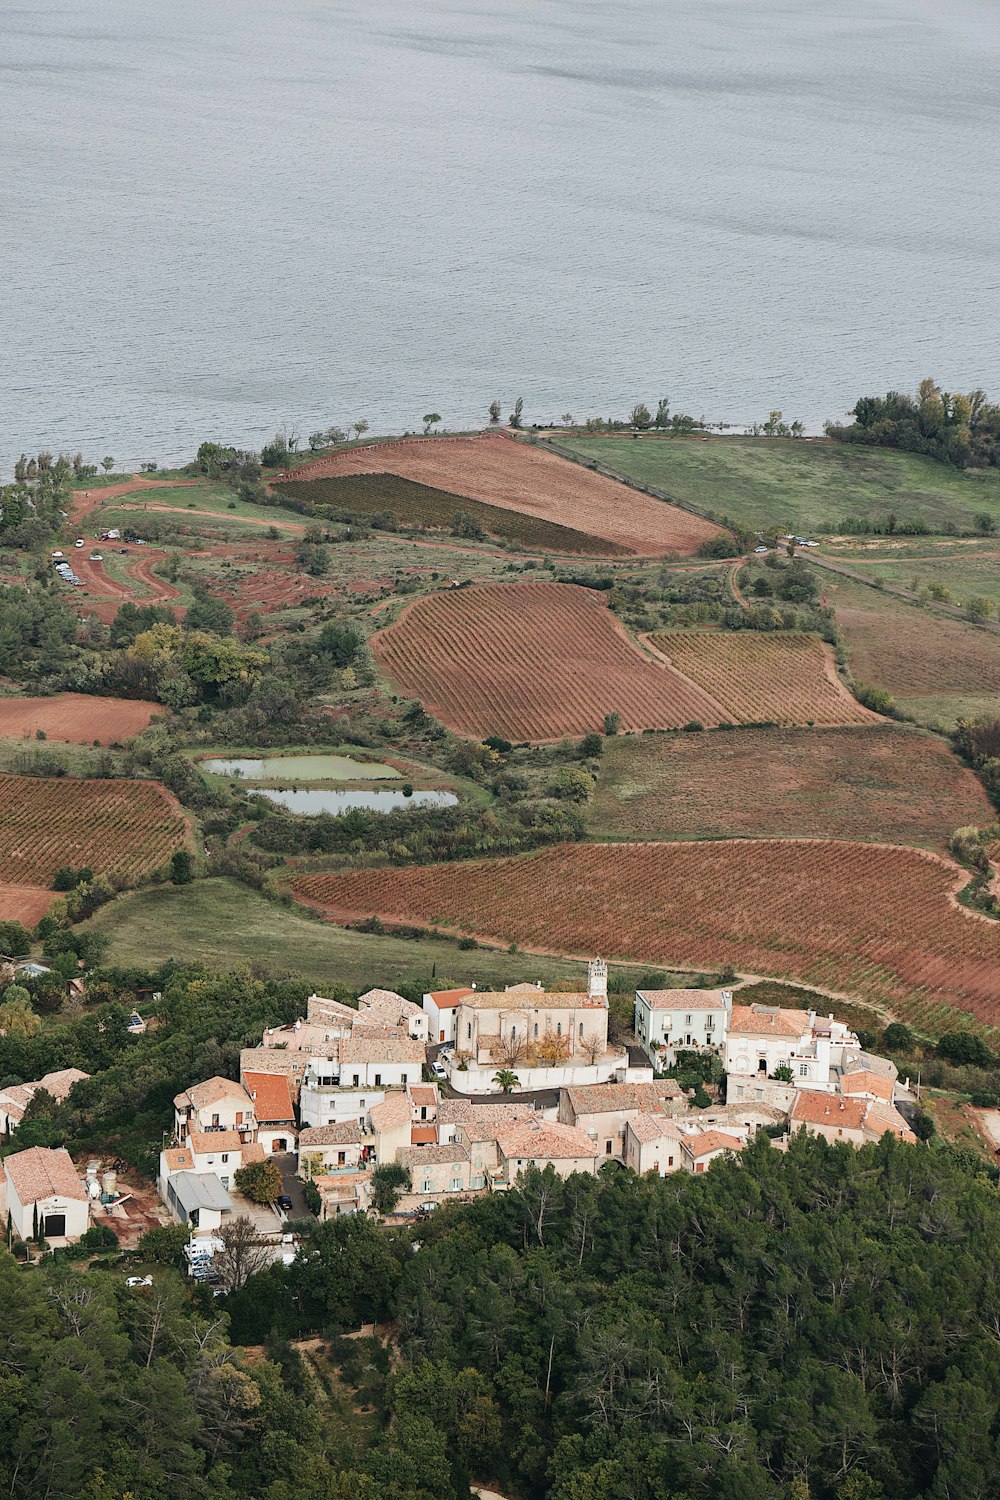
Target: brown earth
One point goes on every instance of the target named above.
(77, 718)
(531, 661)
(24, 903)
(871, 920)
(502, 471)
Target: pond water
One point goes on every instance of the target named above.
(303, 768)
(309, 800)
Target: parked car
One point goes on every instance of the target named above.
(760, 549)
(284, 1202)
(439, 1070)
(97, 557)
(123, 550)
(57, 554)
(79, 542)
(138, 1281)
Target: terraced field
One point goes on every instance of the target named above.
(531, 661)
(124, 828)
(870, 921)
(501, 471)
(784, 677)
(413, 504)
(887, 783)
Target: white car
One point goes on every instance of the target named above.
(810, 544)
(760, 549)
(439, 1070)
(138, 1281)
(97, 557)
(79, 542)
(57, 554)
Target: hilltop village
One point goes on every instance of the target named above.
(467, 1091)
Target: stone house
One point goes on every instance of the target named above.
(216, 1104)
(602, 1109)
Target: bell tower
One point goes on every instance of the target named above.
(597, 980)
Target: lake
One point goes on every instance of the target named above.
(225, 216)
(300, 768)
(312, 800)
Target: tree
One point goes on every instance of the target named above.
(514, 420)
(922, 1125)
(567, 419)
(639, 416)
(783, 1073)
(107, 464)
(180, 867)
(359, 428)
(978, 608)
(592, 1048)
(17, 1019)
(495, 410)
(260, 1181)
(389, 1181)
(965, 1048)
(986, 524)
(897, 1037)
(431, 419)
(317, 440)
(243, 1252)
(15, 939)
(510, 1048)
(612, 723)
(208, 613)
(164, 1244)
(506, 1080)
(662, 417)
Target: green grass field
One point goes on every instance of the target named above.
(966, 569)
(794, 485)
(221, 923)
(418, 504)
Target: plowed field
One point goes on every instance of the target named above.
(862, 919)
(532, 661)
(122, 828)
(24, 903)
(76, 717)
(501, 471)
(784, 678)
(884, 782)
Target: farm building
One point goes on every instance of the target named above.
(46, 1195)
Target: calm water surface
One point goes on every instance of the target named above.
(312, 800)
(222, 216)
(302, 768)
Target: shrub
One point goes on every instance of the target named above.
(389, 1180)
(897, 1038)
(965, 1047)
(165, 1244)
(260, 1181)
(879, 700)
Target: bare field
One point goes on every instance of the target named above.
(531, 661)
(76, 718)
(501, 471)
(868, 920)
(24, 903)
(886, 783)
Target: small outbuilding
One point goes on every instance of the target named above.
(46, 1195)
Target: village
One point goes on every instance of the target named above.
(461, 1095)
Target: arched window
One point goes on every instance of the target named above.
(536, 1028)
(803, 1070)
(513, 1031)
(558, 1028)
(581, 1028)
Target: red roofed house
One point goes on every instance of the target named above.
(707, 1146)
(273, 1110)
(216, 1104)
(442, 1007)
(45, 1195)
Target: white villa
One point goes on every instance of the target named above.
(672, 1021)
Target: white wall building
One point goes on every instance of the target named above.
(672, 1021)
(763, 1038)
(45, 1195)
(216, 1104)
(442, 1008)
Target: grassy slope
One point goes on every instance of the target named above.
(965, 569)
(794, 485)
(223, 924)
(888, 784)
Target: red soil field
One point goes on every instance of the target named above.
(531, 661)
(77, 718)
(500, 470)
(863, 919)
(124, 828)
(784, 678)
(24, 903)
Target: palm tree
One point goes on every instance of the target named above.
(506, 1080)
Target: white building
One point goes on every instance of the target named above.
(380, 1059)
(761, 1039)
(216, 1104)
(45, 1195)
(442, 1008)
(672, 1021)
(14, 1099)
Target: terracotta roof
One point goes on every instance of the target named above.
(423, 1135)
(768, 1020)
(15, 1101)
(59, 1084)
(343, 1133)
(811, 1107)
(480, 1122)
(391, 1113)
(605, 1098)
(179, 1159)
(253, 1151)
(863, 1081)
(212, 1091)
(648, 1128)
(272, 1098)
(531, 999)
(711, 1140)
(423, 1095)
(43, 1173)
(204, 1141)
(883, 1066)
(685, 999)
(329, 1010)
(422, 1156)
(448, 999)
(882, 1117)
(534, 1139)
(365, 1047)
(388, 1004)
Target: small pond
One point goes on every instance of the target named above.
(303, 768)
(312, 800)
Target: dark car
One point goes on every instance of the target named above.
(284, 1202)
